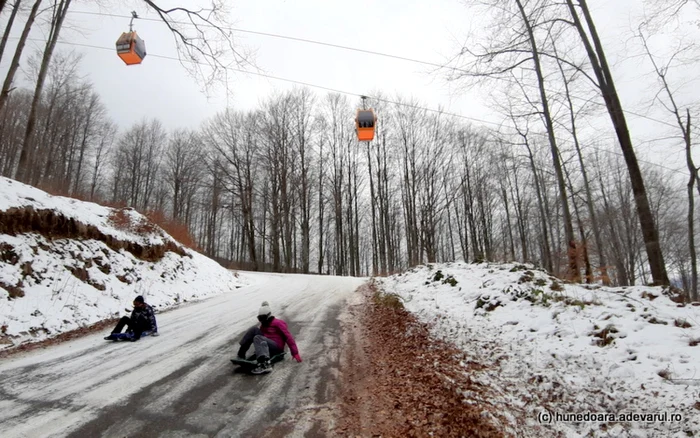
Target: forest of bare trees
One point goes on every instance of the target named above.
(287, 186)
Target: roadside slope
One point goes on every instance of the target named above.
(66, 264)
(550, 347)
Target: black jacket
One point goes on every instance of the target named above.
(144, 318)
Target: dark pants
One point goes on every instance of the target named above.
(134, 326)
(264, 347)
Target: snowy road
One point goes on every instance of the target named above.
(182, 383)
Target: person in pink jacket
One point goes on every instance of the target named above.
(268, 340)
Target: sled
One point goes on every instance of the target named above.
(248, 365)
(128, 336)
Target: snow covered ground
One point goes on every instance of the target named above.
(71, 283)
(181, 383)
(554, 348)
(65, 264)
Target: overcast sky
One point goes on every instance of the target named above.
(426, 30)
(161, 87)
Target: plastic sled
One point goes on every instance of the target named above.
(249, 364)
(128, 336)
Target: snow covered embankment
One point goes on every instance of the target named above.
(565, 348)
(66, 264)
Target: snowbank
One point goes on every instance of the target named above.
(14, 194)
(565, 348)
(52, 285)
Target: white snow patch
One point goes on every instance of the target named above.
(55, 300)
(542, 354)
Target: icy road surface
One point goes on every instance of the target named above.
(181, 384)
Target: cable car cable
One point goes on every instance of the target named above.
(293, 81)
(487, 122)
(355, 49)
(274, 35)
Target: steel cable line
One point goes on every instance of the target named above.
(348, 93)
(293, 81)
(286, 37)
(354, 49)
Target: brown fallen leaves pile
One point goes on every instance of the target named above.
(398, 382)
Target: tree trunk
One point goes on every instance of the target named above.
(573, 271)
(373, 207)
(83, 144)
(60, 12)
(389, 237)
(546, 251)
(248, 217)
(357, 224)
(582, 233)
(622, 275)
(519, 210)
(612, 102)
(105, 136)
(691, 210)
(692, 287)
(10, 21)
(320, 210)
(448, 213)
(589, 197)
(18, 54)
(509, 229)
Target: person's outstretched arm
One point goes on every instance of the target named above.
(290, 340)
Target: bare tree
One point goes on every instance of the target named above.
(14, 64)
(93, 110)
(234, 137)
(568, 226)
(411, 136)
(138, 163)
(662, 12)
(58, 122)
(338, 138)
(599, 64)
(507, 59)
(10, 22)
(432, 199)
(669, 103)
(107, 132)
(567, 79)
(60, 9)
(302, 116)
(204, 39)
(13, 118)
(321, 192)
(182, 168)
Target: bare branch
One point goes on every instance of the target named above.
(207, 55)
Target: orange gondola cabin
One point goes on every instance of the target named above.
(130, 48)
(365, 121)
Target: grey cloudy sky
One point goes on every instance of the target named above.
(420, 29)
(161, 87)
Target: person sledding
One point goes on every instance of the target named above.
(141, 322)
(268, 339)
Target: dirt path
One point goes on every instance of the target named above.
(398, 382)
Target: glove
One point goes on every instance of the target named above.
(297, 357)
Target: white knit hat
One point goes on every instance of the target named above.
(264, 309)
